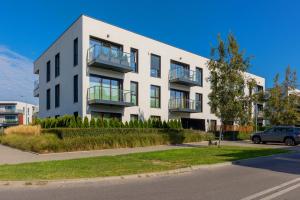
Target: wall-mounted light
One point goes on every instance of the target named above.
(107, 35)
(180, 58)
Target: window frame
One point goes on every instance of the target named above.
(48, 99)
(201, 101)
(57, 96)
(75, 89)
(48, 71)
(137, 93)
(152, 68)
(57, 65)
(201, 75)
(156, 98)
(136, 51)
(75, 52)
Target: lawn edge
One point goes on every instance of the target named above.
(57, 182)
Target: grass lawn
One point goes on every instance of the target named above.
(130, 164)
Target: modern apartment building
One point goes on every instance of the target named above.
(16, 113)
(96, 69)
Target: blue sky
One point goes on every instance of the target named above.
(268, 30)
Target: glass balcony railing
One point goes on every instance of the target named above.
(9, 121)
(184, 105)
(185, 76)
(110, 58)
(36, 85)
(10, 111)
(109, 95)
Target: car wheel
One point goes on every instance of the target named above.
(264, 142)
(256, 140)
(289, 142)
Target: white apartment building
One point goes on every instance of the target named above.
(16, 113)
(96, 69)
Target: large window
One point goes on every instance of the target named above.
(134, 92)
(57, 96)
(199, 75)
(155, 117)
(75, 88)
(155, 66)
(57, 65)
(48, 71)
(106, 116)
(199, 102)
(155, 96)
(48, 103)
(134, 117)
(106, 88)
(75, 52)
(180, 95)
(134, 60)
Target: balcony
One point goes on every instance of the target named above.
(8, 122)
(36, 88)
(184, 105)
(10, 111)
(109, 96)
(184, 77)
(108, 58)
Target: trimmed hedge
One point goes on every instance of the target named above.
(67, 139)
(69, 121)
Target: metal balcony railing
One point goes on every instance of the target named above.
(114, 59)
(185, 76)
(36, 85)
(184, 105)
(109, 95)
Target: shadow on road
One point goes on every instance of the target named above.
(284, 163)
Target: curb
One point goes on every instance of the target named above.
(38, 183)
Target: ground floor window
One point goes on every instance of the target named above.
(155, 117)
(134, 117)
(106, 116)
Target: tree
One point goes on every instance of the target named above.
(227, 65)
(281, 103)
(93, 123)
(86, 123)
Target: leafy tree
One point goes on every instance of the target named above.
(227, 67)
(281, 103)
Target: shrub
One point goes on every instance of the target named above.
(23, 130)
(93, 123)
(86, 123)
(79, 122)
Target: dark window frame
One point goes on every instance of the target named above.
(75, 52)
(137, 93)
(75, 89)
(48, 99)
(48, 71)
(201, 101)
(57, 95)
(134, 51)
(201, 75)
(57, 65)
(152, 68)
(156, 98)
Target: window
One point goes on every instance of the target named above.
(154, 117)
(57, 96)
(199, 102)
(134, 92)
(155, 96)
(199, 75)
(48, 100)
(155, 66)
(134, 117)
(75, 52)
(75, 89)
(57, 63)
(48, 70)
(134, 60)
(106, 116)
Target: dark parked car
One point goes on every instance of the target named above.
(289, 135)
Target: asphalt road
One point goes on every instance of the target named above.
(276, 177)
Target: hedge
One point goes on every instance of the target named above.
(69, 121)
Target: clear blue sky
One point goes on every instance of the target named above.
(268, 30)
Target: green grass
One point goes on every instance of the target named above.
(130, 164)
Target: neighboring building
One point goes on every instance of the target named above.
(96, 69)
(16, 113)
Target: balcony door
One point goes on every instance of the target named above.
(105, 88)
(179, 70)
(179, 98)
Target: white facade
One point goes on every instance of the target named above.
(15, 113)
(85, 28)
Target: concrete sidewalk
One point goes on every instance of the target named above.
(10, 155)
